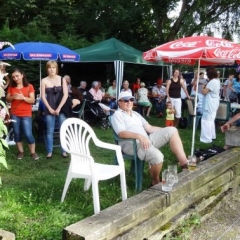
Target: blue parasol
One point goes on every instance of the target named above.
(39, 51)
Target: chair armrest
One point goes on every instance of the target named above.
(111, 146)
(134, 141)
(105, 145)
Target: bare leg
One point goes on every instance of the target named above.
(177, 148)
(154, 173)
(31, 148)
(176, 120)
(20, 147)
(148, 111)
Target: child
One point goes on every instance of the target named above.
(170, 114)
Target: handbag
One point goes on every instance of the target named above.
(67, 106)
(182, 123)
(204, 154)
(233, 96)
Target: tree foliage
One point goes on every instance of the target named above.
(142, 24)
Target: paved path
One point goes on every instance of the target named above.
(224, 224)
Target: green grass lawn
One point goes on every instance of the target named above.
(31, 190)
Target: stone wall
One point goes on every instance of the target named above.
(5, 235)
(153, 213)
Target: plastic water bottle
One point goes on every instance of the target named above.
(37, 100)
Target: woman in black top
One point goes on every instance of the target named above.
(173, 91)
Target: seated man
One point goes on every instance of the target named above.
(159, 96)
(130, 124)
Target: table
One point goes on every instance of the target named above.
(235, 107)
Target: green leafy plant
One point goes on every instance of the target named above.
(3, 133)
(3, 112)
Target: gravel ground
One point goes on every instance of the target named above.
(224, 224)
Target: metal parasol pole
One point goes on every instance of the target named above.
(195, 111)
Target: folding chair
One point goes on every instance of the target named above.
(75, 136)
(190, 104)
(223, 112)
(137, 165)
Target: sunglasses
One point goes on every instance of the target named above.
(127, 100)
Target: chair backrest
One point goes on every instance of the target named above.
(116, 138)
(190, 107)
(75, 135)
(223, 112)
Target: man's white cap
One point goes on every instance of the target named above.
(125, 95)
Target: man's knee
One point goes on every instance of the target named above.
(170, 132)
(154, 156)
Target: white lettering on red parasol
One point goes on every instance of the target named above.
(150, 55)
(219, 43)
(181, 60)
(182, 44)
(209, 43)
(230, 54)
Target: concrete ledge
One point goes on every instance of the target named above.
(5, 235)
(232, 136)
(143, 215)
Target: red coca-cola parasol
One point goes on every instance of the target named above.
(203, 50)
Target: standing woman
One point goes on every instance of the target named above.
(51, 87)
(21, 96)
(210, 106)
(173, 91)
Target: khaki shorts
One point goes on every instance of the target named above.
(153, 155)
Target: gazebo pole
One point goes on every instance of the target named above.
(118, 67)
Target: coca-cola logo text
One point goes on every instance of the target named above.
(209, 43)
(182, 44)
(218, 43)
(230, 54)
(149, 55)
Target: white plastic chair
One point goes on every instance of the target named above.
(75, 135)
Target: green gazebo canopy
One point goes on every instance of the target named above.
(113, 50)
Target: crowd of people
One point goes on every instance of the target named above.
(167, 99)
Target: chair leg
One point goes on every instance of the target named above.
(96, 202)
(123, 185)
(68, 180)
(139, 179)
(136, 173)
(87, 183)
